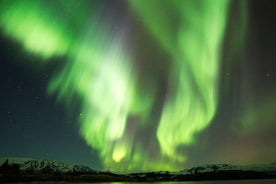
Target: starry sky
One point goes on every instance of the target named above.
(138, 85)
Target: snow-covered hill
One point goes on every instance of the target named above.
(33, 165)
(229, 167)
(25, 169)
(48, 166)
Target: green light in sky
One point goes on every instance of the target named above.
(33, 25)
(256, 115)
(100, 72)
(194, 45)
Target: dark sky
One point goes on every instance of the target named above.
(35, 124)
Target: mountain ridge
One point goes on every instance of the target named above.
(27, 169)
(44, 165)
(32, 162)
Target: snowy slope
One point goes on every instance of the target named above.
(229, 167)
(33, 165)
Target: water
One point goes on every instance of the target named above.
(270, 181)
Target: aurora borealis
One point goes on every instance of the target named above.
(195, 52)
(146, 85)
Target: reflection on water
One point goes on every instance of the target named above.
(270, 181)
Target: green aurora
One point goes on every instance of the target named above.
(195, 51)
(100, 71)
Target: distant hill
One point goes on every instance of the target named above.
(44, 166)
(27, 169)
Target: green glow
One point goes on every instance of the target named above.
(256, 117)
(194, 45)
(100, 73)
(105, 81)
(39, 32)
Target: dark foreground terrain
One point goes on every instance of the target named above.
(45, 170)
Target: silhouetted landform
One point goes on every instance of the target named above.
(18, 169)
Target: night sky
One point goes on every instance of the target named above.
(138, 85)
